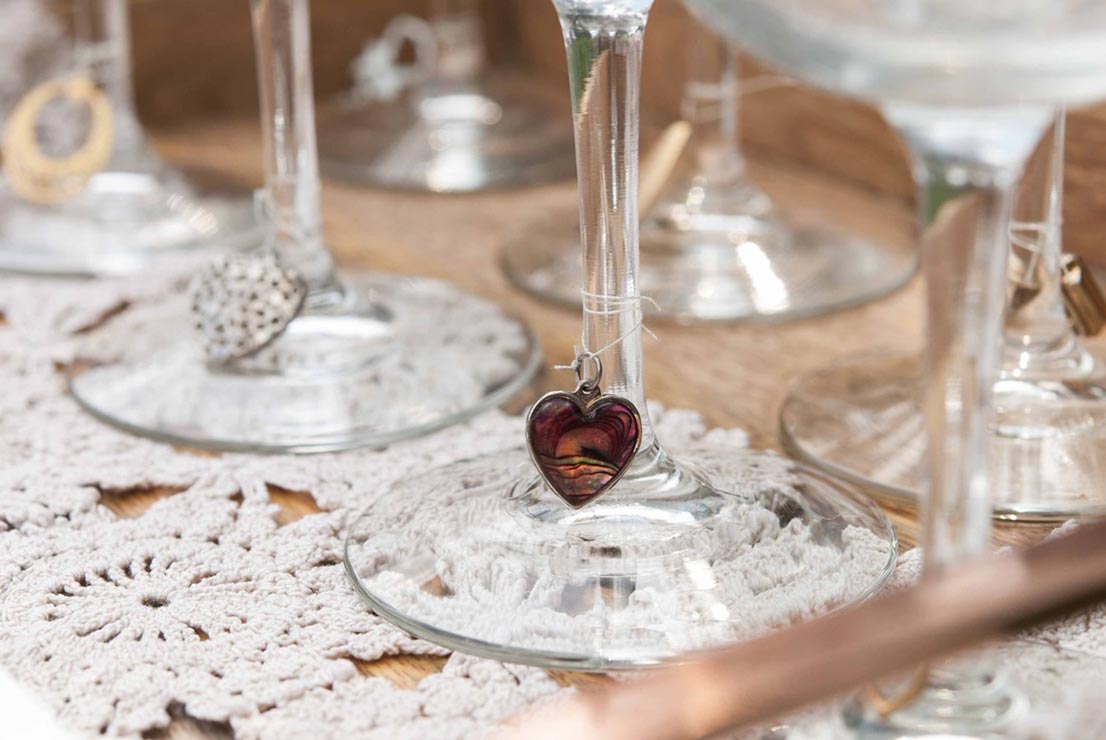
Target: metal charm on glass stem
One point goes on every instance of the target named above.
(484, 556)
(45, 177)
(122, 209)
(298, 357)
(242, 304)
(582, 442)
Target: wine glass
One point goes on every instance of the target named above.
(134, 209)
(443, 123)
(862, 418)
(369, 359)
(971, 85)
(682, 553)
(714, 245)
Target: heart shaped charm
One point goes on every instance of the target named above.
(241, 303)
(582, 442)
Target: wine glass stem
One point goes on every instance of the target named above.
(103, 48)
(604, 64)
(966, 164)
(1038, 327)
(282, 41)
(966, 284)
(710, 104)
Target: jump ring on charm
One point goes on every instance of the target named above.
(588, 384)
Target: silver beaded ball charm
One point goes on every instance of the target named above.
(241, 303)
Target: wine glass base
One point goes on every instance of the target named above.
(123, 223)
(729, 269)
(501, 132)
(1046, 687)
(1039, 686)
(394, 358)
(480, 557)
(989, 707)
(860, 419)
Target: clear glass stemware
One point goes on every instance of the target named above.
(370, 359)
(687, 551)
(136, 209)
(971, 86)
(714, 245)
(445, 122)
(862, 418)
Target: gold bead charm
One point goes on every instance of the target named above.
(1083, 298)
(885, 705)
(39, 177)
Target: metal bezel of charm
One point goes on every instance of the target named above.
(242, 303)
(582, 442)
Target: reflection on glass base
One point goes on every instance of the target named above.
(388, 358)
(709, 276)
(804, 249)
(1044, 691)
(503, 132)
(480, 557)
(861, 419)
(123, 222)
(950, 706)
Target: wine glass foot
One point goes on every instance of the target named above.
(503, 131)
(725, 268)
(1049, 691)
(480, 557)
(124, 222)
(988, 710)
(391, 359)
(860, 419)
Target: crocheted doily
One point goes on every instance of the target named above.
(205, 604)
(1061, 668)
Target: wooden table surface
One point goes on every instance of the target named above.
(735, 375)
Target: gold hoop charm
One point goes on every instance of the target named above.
(39, 177)
(888, 705)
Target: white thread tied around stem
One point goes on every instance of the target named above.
(656, 169)
(620, 305)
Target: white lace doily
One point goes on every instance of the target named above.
(1061, 668)
(204, 605)
(764, 558)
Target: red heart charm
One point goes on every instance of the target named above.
(582, 450)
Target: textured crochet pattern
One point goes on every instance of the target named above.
(205, 604)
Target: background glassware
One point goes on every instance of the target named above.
(445, 123)
(136, 209)
(971, 86)
(861, 418)
(370, 359)
(479, 555)
(715, 247)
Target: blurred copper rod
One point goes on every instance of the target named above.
(763, 679)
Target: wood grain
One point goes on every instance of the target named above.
(194, 60)
(735, 376)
